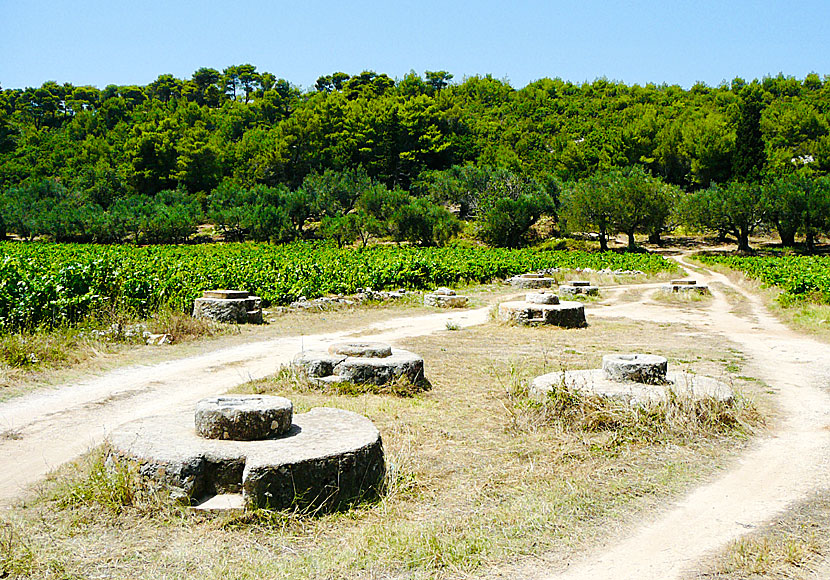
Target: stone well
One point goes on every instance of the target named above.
(575, 287)
(636, 379)
(251, 445)
(445, 298)
(360, 362)
(532, 281)
(232, 306)
(543, 308)
(686, 285)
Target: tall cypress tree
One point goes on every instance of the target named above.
(749, 143)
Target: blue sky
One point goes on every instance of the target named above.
(676, 42)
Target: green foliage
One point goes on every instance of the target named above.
(53, 284)
(463, 145)
(628, 200)
(736, 208)
(800, 277)
(798, 203)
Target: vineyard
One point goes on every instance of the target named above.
(800, 277)
(55, 284)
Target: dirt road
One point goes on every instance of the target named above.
(779, 470)
(54, 426)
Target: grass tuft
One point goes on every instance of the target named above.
(16, 558)
(288, 379)
(678, 419)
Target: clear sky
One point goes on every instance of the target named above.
(681, 42)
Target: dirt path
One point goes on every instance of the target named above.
(47, 428)
(780, 469)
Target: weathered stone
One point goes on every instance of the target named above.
(572, 290)
(594, 382)
(328, 458)
(698, 288)
(225, 294)
(316, 363)
(377, 368)
(158, 339)
(380, 371)
(684, 282)
(640, 368)
(445, 298)
(229, 306)
(532, 281)
(542, 298)
(579, 283)
(243, 417)
(361, 349)
(564, 314)
(233, 311)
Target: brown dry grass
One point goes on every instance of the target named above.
(476, 480)
(794, 547)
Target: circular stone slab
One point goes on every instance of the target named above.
(243, 417)
(329, 457)
(542, 298)
(594, 382)
(361, 349)
(640, 368)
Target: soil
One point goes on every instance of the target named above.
(783, 467)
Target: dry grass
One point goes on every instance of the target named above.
(476, 479)
(683, 298)
(794, 547)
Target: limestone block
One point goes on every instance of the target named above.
(684, 287)
(445, 298)
(380, 371)
(532, 281)
(230, 306)
(316, 363)
(234, 311)
(566, 314)
(640, 368)
(542, 298)
(361, 349)
(243, 417)
(225, 294)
